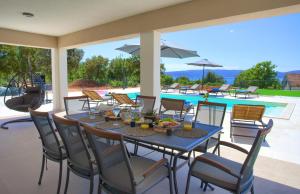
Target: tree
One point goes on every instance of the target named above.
(74, 58)
(95, 68)
(183, 80)
(262, 75)
(166, 79)
(15, 59)
(211, 77)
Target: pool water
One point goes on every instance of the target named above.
(273, 109)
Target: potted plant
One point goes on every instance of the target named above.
(205, 96)
(150, 115)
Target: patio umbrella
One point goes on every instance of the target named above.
(204, 63)
(166, 49)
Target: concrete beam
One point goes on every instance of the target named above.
(14, 37)
(197, 13)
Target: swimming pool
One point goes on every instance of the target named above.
(273, 109)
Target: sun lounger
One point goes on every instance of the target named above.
(247, 92)
(123, 100)
(94, 97)
(222, 89)
(194, 88)
(174, 86)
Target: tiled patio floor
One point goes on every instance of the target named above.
(277, 169)
(20, 160)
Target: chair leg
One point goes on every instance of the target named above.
(100, 186)
(91, 184)
(170, 183)
(59, 178)
(252, 189)
(42, 170)
(201, 185)
(208, 185)
(67, 180)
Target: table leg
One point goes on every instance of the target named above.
(174, 174)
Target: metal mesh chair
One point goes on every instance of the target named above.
(147, 102)
(210, 113)
(52, 147)
(79, 160)
(228, 174)
(246, 120)
(120, 173)
(76, 104)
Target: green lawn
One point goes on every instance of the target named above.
(270, 92)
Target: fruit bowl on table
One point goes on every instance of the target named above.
(137, 122)
(168, 123)
(164, 124)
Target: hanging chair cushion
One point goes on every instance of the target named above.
(31, 99)
(31, 90)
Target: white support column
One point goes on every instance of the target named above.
(59, 77)
(150, 64)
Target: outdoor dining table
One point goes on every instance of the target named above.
(180, 147)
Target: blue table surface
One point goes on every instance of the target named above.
(161, 139)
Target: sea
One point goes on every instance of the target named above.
(229, 75)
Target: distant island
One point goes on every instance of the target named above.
(229, 75)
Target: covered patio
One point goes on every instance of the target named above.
(275, 171)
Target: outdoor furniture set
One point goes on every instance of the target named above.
(95, 144)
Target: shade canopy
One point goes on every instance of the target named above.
(205, 63)
(167, 50)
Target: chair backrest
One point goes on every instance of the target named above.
(93, 95)
(71, 135)
(247, 168)
(122, 99)
(174, 85)
(210, 113)
(148, 103)
(169, 104)
(195, 86)
(76, 104)
(248, 112)
(224, 87)
(252, 88)
(45, 129)
(111, 156)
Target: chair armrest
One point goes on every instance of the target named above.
(231, 145)
(216, 165)
(154, 167)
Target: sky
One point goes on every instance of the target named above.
(235, 46)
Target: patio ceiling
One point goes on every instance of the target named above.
(76, 23)
(57, 17)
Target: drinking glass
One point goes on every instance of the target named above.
(188, 123)
(116, 111)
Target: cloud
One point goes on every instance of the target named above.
(231, 31)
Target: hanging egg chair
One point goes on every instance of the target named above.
(23, 91)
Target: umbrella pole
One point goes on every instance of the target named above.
(202, 83)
